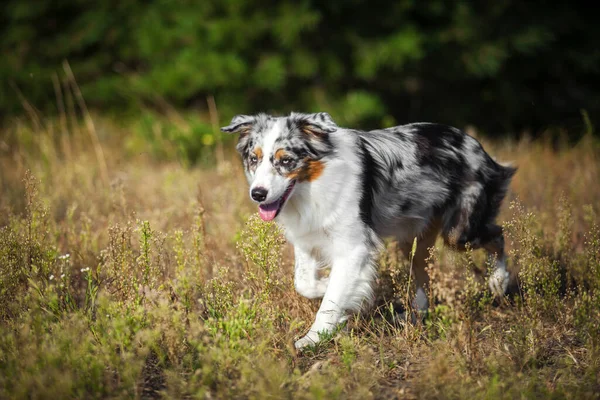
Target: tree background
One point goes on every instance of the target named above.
(506, 67)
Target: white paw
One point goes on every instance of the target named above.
(310, 339)
(499, 282)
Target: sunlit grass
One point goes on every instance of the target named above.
(160, 282)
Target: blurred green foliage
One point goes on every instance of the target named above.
(188, 138)
(502, 66)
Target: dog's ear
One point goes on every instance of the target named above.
(319, 124)
(240, 123)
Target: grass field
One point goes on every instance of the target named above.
(126, 276)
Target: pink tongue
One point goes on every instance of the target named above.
(268, 212)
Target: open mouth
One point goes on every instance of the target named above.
(269, 211)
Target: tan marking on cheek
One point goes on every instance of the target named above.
(314, 170)
(298, 174)
(294, 174)
(310, 172)
(258, 152)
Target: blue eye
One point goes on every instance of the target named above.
(286, 161)
(253, 159)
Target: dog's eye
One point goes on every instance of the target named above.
(286, 161)
(253, 159)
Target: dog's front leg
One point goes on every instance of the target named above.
(350, 280)
(306, 281)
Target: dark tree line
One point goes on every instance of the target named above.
(504, 66)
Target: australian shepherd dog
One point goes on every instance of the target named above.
(336, 192)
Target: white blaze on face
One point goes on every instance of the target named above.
(265, 176)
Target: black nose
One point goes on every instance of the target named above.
(259, 194)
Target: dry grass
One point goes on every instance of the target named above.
(159, 283)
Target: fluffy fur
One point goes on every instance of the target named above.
(336, 192)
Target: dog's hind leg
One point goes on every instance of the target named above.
(306, 280)
(472, 223)
(491, 238)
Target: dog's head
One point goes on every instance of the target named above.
(281, 152)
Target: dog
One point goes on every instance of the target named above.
(336, 192)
